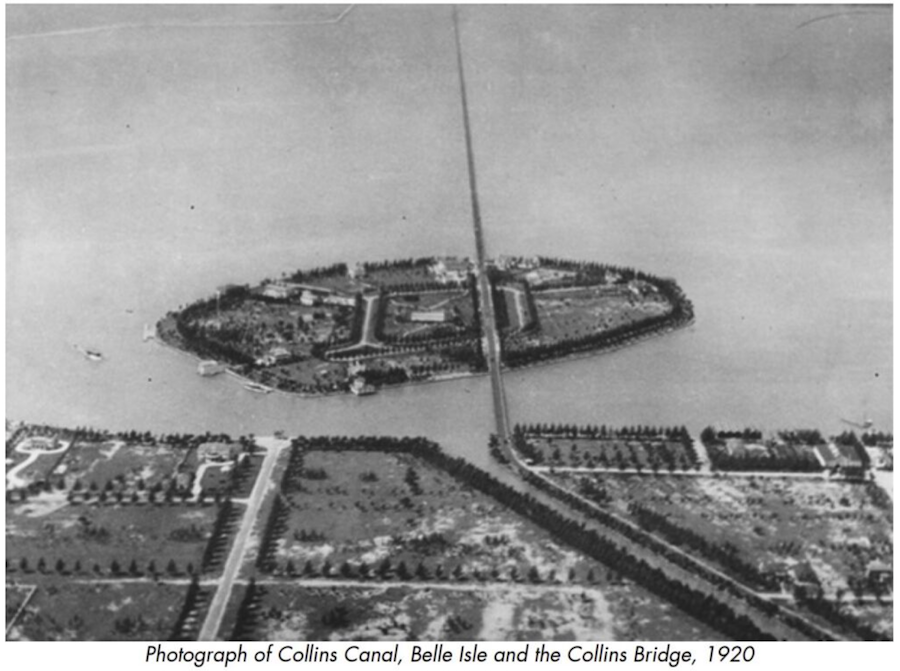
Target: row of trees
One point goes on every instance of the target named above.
(705, 607)
(334, 270)
(724, 554)
(116, 569)
(593, 431)
(640, 536)
(219, 539)
(399, 264)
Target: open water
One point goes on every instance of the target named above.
(156, 153)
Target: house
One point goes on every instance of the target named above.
(826, 455)
(541, 276)
(451, 269)
(806, 581)
(849, 460)
(359, 387)
(335, 299)
(429, 317)
(218, 452)
(308, 298)
(278, 291)
(879, 573)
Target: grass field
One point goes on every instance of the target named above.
(496, 613)
(457, 305)
(48, 527)
(836, 527)
(367, 509)
(126, 465)
(68, 611)
(573, 313)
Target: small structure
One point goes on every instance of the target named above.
(218, 452)
(276, 290)
(541, 276)
(210, 367)
(308, 298)
(826, 455)
(359, 387)
(879, 573)
(429, 317)
(336, 299)
(451, 269)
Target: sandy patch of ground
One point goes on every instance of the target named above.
(497, 618)
(44, 504)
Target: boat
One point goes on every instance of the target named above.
(258, 388)
(149, 332)
(90, 354)
(210, 367)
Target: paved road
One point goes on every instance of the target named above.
(491, 342)
(235, 560)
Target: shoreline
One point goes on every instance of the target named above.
(637, 340)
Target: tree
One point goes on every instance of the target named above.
(172, 567)
(60, 566)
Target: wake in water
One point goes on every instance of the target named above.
(177, 24)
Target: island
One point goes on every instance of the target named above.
(337, 329)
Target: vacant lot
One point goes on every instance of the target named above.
(836, 528)
(86, 536)
(574, 313)
(490, 613)
(129, 467)
(393, 513)
(68, 611)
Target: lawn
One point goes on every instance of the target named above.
(68, 611)
(457, 305)
(573, 313)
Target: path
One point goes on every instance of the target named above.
(695, 474)
(518, 294)
(213, 622)
(13, 481)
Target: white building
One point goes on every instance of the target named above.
(451, 270)
(346, 301)
(276, 291)
(430, 317)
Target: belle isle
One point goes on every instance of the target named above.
(338, 329)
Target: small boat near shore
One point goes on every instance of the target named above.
(257, 388)
(210, 367)
(89, 354)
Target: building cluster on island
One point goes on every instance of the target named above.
(339, 329)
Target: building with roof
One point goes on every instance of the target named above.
(451, 269)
